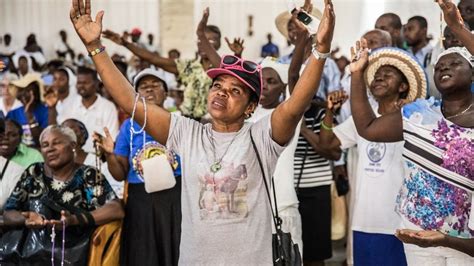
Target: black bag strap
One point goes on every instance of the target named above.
(276, 219)
(4, 169)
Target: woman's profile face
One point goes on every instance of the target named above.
(452, 71)
(57, 149)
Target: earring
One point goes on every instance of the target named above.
(74, 150)
(282, 97)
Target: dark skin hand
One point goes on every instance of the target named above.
(166, 64)
(426, 239)
(328, 142)
(453, 18)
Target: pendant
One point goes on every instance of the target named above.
(215, 167)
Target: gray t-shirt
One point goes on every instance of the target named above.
(226, 215)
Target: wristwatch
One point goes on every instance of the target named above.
(318, 55)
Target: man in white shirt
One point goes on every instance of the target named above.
(415, 33)
(93, 110)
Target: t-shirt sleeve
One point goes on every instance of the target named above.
(262, 134)
(346, 133)
(182, 129)
(122, 143)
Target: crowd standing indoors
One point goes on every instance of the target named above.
(219, 160)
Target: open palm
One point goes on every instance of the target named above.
(326, 26)
(89, 31)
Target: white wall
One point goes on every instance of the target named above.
(354, 17)
(46, 18)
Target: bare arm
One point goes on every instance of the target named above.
(298, 56)
(316, 143)
(286, 116)
(13, 218)
(387, 128)
(119, 88)
(203, 43)
(111, 211)
(166, 64)
(455, 23)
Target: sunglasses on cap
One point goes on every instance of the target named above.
(247, 66)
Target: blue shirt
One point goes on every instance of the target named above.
(40, 114)
(141, 152)
(269, 49)
(330, 80)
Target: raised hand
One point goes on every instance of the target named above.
(335, 100)
(451, 13)
(203, 23)
(326, 28)
(89, 31)
(359, 56)
(29, 103)
(237, 46)
(106, 144)
(2, 65)
(51, 97)
(113, 36)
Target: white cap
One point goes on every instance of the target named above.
(150, 72)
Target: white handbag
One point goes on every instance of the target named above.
(158, 174)
(157, 171)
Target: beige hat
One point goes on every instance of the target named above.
(403, 61)
(281, 21)
(27, 80)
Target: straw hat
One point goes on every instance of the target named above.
(27, 80)
(404, 62)
(281, 21)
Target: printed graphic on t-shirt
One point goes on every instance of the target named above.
(379, 160)
(223, 194)
(150, 150)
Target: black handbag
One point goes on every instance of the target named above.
(285, 251)
(26, 246)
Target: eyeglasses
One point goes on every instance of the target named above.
(248, 66)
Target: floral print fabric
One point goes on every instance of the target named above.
(193, 76)
(85, 190)
(425, 199)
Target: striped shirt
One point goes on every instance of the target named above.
(317, 170)
(439, 171)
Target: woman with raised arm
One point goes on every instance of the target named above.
(436, 193)
(191, 73)
(392, 75)
(224, 205)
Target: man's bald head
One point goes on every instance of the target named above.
(377, 39)
(391, 23)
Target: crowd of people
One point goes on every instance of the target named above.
(196, 157)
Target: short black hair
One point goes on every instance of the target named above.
(19, 128)
(87, 71)
(421, 21)
(395, 20)
(214, 29)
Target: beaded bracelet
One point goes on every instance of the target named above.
(97, 51)
(326, 127)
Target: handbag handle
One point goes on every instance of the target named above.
(276, 219)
